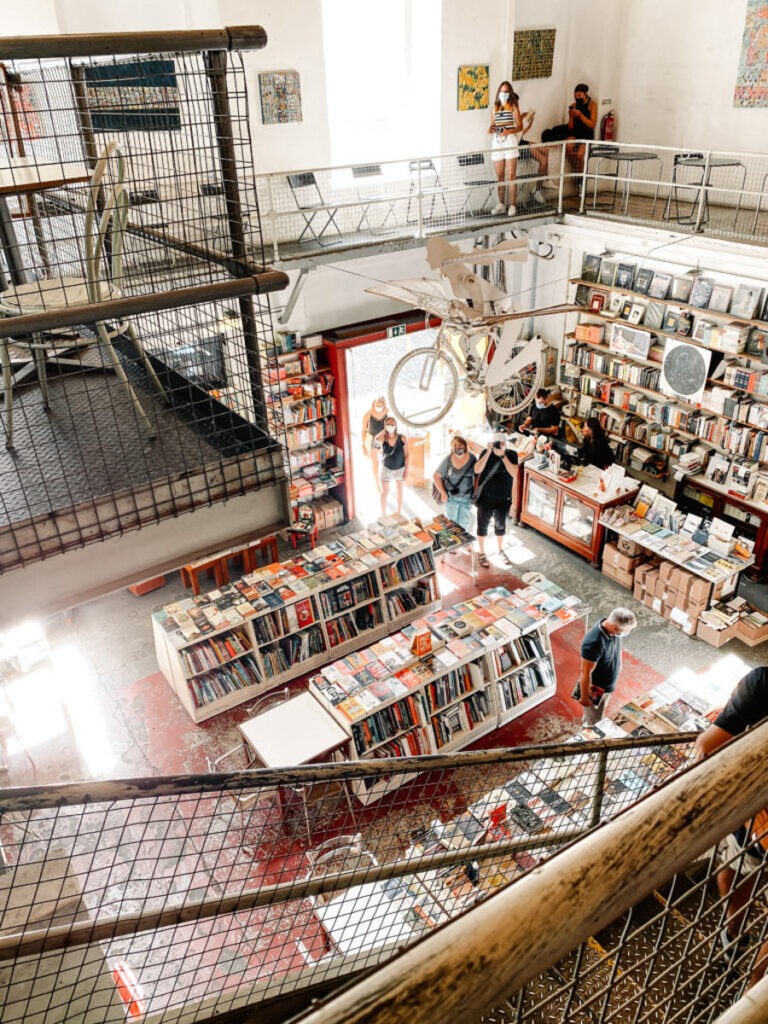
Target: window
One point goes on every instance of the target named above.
(382, 69)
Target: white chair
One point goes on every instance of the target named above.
(62, 293)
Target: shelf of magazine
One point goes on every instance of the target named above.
(295, 614)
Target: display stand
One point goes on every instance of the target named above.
(240, 660)
(569, 512)
(460, 690)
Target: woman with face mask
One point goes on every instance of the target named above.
(506, 129)
(393, 462)
(373, 424)
(454, 479)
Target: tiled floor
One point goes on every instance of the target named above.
(102, 710)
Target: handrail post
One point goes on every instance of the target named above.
(703, 198)
(599, 789)
(419, 210)
(562, 179)
(584, 175)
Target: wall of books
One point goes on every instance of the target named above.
(675, 366)
(227, 646)
(300, 397)
(448, 678)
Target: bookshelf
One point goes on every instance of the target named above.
(301, 405)
(490, 661)
(661, 435)
(234, 643)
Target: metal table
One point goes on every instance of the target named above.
(630, 159)
(706, 167)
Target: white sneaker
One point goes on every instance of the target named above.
(498, 208)
(511, 210)
(553, 183)
(538, 197)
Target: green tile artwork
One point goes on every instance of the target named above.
(534, 53)
(473, 86)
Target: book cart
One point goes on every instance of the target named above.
(235, 643)
(491, 661)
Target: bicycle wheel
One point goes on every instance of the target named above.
(423, 386)
(517, 392)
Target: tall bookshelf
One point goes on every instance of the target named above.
(464, 688)
(625, 390)
(301, 406)
(248, 651)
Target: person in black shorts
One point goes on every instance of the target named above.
(544, 418)
(393, 462)
(743, 852)
(494, 477)
(582, 118)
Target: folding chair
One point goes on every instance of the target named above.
(476, 161)
(303, 186)
(371, 188)
(425, 169)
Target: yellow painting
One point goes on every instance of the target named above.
(473, 86)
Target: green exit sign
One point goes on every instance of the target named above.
(396, 332)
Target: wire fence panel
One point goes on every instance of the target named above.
(126, 178)
(191, 897)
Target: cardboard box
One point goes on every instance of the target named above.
(626, 579)
(642, 572)
(716, 637)
(681, 618)
(618, 560)
(639, 590)
(751, 635)
(629, 547)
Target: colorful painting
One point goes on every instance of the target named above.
(752, 77)
(135, 95)
(473, 86)
(280, 97)
(534, 53)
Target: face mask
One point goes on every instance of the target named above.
(459, 451)
(541, 405)
(378, 406)
(391, 430)
(503, 97)
(623, 632)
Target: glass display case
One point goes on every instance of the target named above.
(569, 512)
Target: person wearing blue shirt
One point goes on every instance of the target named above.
(601, 651)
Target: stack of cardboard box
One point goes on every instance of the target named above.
(328, 512)
(620, 561)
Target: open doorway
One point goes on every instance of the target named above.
(368, 367)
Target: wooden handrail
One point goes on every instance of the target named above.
(486, 955)
(752, 1008)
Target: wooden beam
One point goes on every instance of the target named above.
(108, 44)
(483, 957)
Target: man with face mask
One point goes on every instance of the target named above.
(601, 664)
(544, 418)
(373, 424)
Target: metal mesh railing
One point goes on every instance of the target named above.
(193, 896)
(123, 180)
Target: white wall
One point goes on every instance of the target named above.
(677, 73)
(66, 580)
(473, 33)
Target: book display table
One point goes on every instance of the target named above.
(489, 661)
(232, 644)
(570, 512)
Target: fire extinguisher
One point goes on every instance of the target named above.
(608, 126)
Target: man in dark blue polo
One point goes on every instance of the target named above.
(601, 663)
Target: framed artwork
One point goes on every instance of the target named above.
(133, 95)
(626, 341)
(752, 76)
(280, 97)
(473, 86)
(534, 53)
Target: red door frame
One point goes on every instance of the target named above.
(336, 343)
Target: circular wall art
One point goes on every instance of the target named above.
(685, 369)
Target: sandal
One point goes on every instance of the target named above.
(484, 563)
(506, 558)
